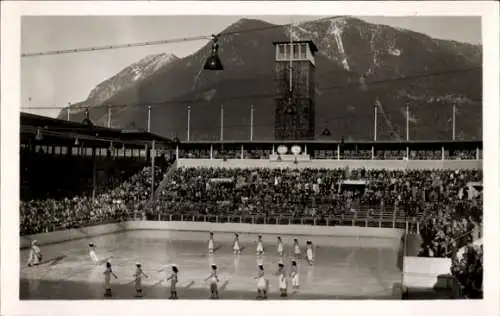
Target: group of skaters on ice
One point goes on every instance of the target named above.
(262, 282)
(35, 258)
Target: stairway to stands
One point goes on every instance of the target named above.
(167, 175)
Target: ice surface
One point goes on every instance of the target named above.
(344, 268)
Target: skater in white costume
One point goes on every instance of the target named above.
(309, 252)
(282, 281)
(35, 255)
(211, 244)
(260, 246)
(261, 283)
(294, 275)
(236, 244)
(173, 278)
(296, 249)
(280, 247)
(92, 254)
(138, 279)
(260, 260)
(214, 280)
(107, 279)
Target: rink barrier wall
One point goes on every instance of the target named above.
(307, 230)
(331, 164)
(72, 234)
(389, 235)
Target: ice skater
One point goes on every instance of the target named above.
(92, 254)
(107, 279)
(35, 255)
(261, 283)
(173, 278)
(280, 247)
(282, 280)
(260, 246)
(296, 249)
(214, 280)
(236, 244)
(294, 275)
(211, 244)
(309, 252)
(138, 279)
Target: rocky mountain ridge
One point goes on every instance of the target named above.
(359, 66)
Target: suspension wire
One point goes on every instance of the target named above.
(262, 95)
(163, 42)
(328, 120)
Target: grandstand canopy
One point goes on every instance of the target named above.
(56, 132)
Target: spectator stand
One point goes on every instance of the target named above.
(75, 175)
(68, 169)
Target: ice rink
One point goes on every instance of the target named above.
(344, 268)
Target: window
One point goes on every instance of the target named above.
(296, 51)
(303, 51)
(281, 52)
(286, 49)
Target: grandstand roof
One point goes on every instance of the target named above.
(63, 133)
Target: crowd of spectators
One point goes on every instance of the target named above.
(469, 271)
(322, 192)
(127, 200)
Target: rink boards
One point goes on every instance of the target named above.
(322, 234)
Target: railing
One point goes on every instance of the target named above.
(407, 225)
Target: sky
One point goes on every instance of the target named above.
(55, 81)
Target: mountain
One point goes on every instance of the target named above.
(125, 79)
(359, 66)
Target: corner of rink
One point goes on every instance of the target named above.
(424, 277)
